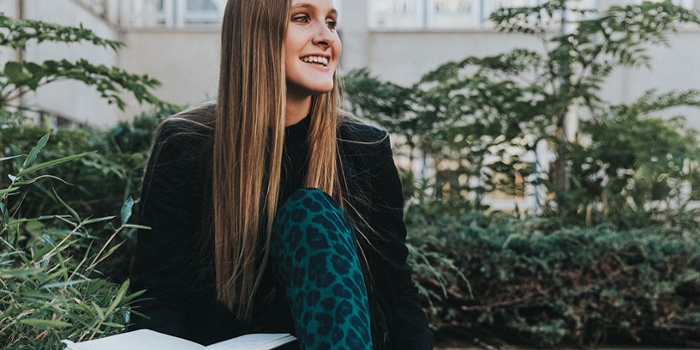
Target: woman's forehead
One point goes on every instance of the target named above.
(314, 3)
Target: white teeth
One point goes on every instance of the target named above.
(315, 59)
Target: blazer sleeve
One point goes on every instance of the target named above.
(171, 199)
(387, 254)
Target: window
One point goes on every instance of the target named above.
(689, 4)
(200, 13)
(146, 6)
(446, 14)
(172, 13)
(404, 6)
(146, 13)
(452, 6)
(396, 14)
(189, 13)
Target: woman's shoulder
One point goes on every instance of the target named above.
(354, 130)
(191, 126)
(363, 145)
(185, 136)
(197, 121)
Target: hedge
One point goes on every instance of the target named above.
(496, 276)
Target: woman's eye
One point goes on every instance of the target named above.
(301, 19)
(332, 25)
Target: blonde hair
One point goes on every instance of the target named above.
(248, 145)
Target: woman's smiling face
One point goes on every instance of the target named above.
(312, 48)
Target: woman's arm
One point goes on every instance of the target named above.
(377, 176)
(171, 202)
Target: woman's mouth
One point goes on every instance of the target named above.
(315, 59)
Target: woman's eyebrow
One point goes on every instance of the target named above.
(304, 5)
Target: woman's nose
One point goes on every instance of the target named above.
(323, 35)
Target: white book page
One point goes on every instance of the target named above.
(253, 342)
(142, 339)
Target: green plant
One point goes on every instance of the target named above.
(479, 122)
(99, 182)
(52, 289)
(115, 157)
(19, 77)
(632, 170)
(106, 162)
(529, 283)
(52, 267)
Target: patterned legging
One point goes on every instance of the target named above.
(313, 254)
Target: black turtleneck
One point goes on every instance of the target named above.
(294, 159)
(174, 260)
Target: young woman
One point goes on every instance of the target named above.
(271, 211)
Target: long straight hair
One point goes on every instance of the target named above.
(248, 145)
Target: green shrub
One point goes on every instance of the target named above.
(97, 183)
(57, 270)
(530, 285)
(49, 293)
(51, 286)
(480, 124)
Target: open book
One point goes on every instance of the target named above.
(145, 339)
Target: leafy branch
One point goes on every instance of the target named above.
(19, 77)
(17, 33)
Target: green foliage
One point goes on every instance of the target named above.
(107, 175)
(528, 284)
(481, 123)
(19, 77)
(86, 191)
(631, 170)
(614, 253)
(115, 157)
(62, 274)
(49, 293)
(633, 273)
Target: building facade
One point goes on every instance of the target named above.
(177, 42)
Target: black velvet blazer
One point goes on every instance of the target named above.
(174, 260)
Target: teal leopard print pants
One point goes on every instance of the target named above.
(313, 254)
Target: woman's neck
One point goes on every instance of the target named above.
(297, 109)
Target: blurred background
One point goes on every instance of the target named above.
(177, 43)
(549, 157)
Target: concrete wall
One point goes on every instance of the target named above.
(404, 56)
(185, 61)
(354, 34)
(673, 68)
